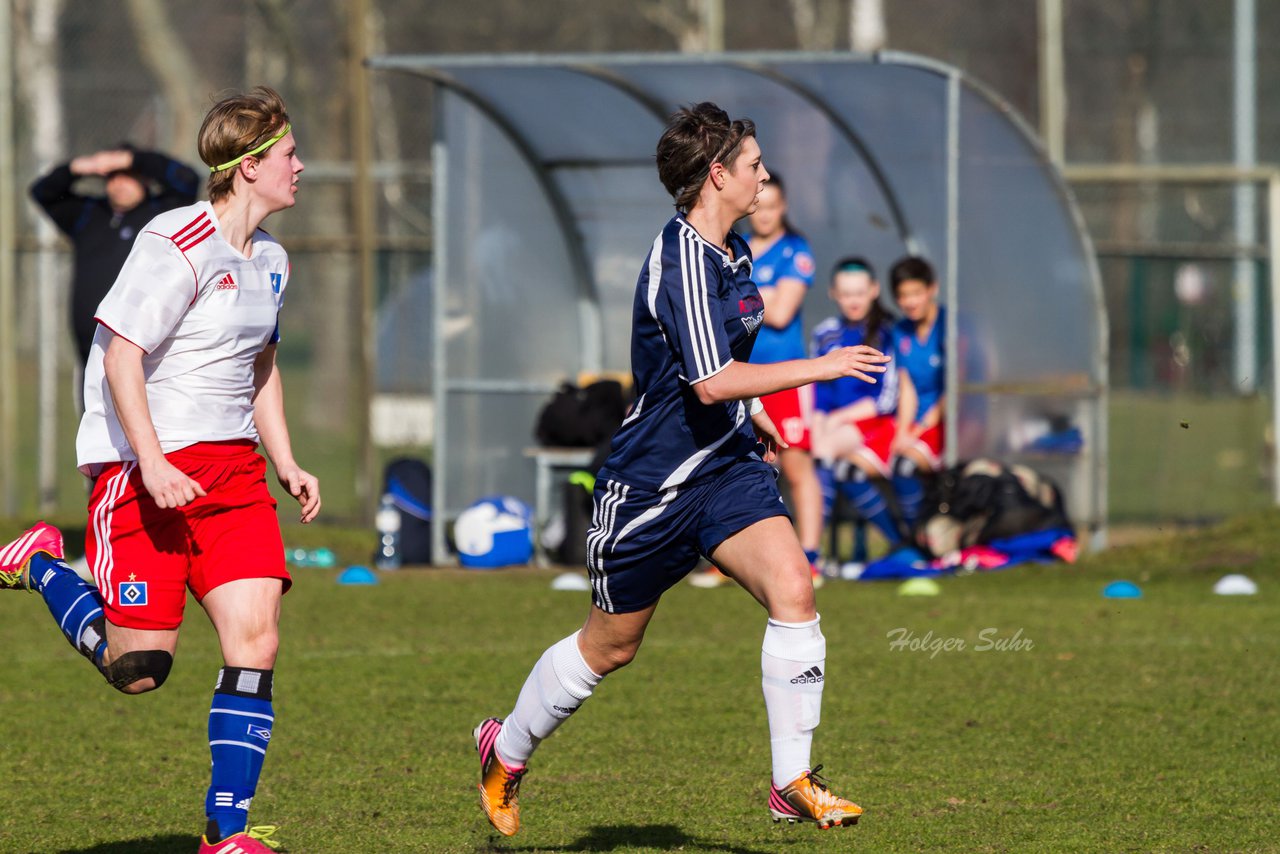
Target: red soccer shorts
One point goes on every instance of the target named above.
(870, 439)
(877, 441)
(144, 558)
(789, 410)
(929, 445)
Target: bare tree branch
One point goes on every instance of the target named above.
(815, 22)
(169, 59)
(684, 20)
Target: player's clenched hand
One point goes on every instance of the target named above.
(768, 435)
(302, 486)
(861, 362)
(168, 486)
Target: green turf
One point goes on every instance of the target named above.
(1127, 726)
(1217, 465)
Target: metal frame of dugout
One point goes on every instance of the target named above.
(545, 201)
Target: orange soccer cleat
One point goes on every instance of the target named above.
(499, 785)
(807, 798)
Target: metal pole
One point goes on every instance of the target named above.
(952, 285)
(8, 301)
(1052, 81)
(1244, 102)
(362, 200)
(1273, 266)
(440, 373)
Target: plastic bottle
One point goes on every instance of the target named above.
(387, 521)
(322, 557)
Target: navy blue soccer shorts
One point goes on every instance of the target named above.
(641, 543)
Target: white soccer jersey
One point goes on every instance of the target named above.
(202, 312)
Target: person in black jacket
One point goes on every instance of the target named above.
(101, 228)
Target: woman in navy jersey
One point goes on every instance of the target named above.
(688, 478)
(853, 422)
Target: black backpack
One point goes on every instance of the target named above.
(984, 500)
(408, 482)
(581, 417)
(578, 507)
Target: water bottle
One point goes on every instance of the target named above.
(387, 521)
(322, 557)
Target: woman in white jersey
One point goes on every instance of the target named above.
(180, 388)
(685, 479)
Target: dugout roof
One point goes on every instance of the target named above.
(546, 201)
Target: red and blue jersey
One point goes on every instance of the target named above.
(788, 258)
(836, 394)
(696, 310)
(924, 361)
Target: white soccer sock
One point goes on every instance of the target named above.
(557, 685)
(793, 659)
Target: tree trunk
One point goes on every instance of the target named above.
(696, 25)
(323, 283)
(39, 83)
(169, 59)
(815, 22)
(868, 31)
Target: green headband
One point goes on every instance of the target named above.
(261, 148)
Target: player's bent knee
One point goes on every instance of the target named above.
(792, 590)
(620, 656)
(257, 652)
(139, 671)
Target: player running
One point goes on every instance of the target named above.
(685, 479)
(853, 423)
(181, 385)
(920, 353)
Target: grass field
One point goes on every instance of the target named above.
(1144, 725)
(1218, 465)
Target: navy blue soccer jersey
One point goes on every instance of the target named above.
(836, 394)
(924, 361)
(696, 310)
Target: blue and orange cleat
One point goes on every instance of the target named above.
(255, 840)
(499, 785)
(16, 556)
(807, 798)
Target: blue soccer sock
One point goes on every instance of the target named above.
(910, 492)
(827, 481)
(240, 721)
(909, 489)
(869, 504)
(75, 605)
